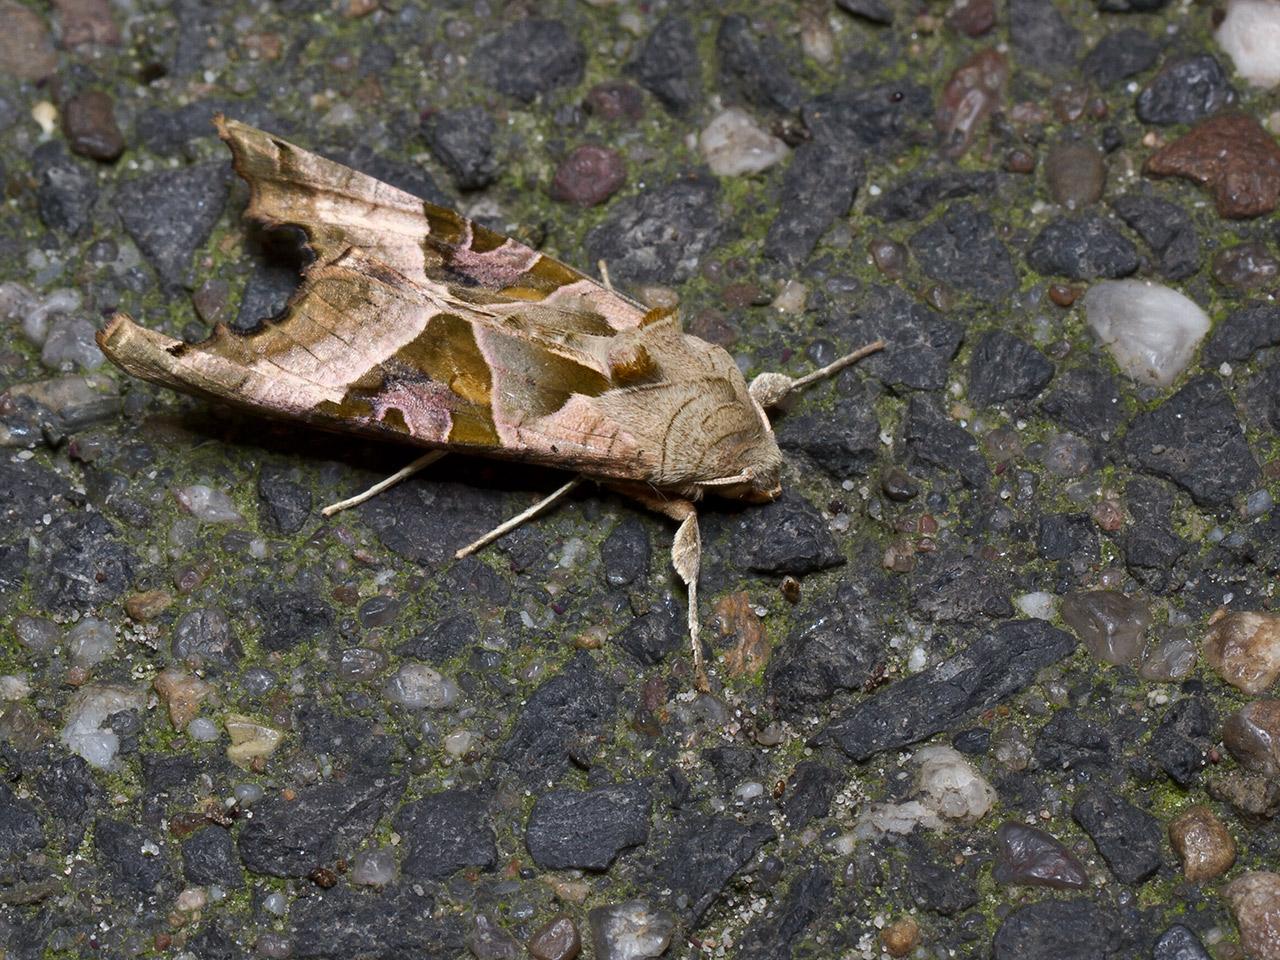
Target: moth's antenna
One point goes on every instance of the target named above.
(770, 389)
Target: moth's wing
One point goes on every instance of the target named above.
(360, 348)
(340, 208)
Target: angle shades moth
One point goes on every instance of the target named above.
(414, 324)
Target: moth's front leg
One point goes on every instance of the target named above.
(686, 558)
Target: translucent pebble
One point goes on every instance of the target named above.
(1031, 857)
(1250, 35)
(90, 642)
(274, 945)
(733, 144)
(84, 732)
(951, 786)
(1244, 648)
(258, 681)
(374, 868)
(247, 794)
(37, 634)
(202, 730)
(749, 790)
(458, 743)
(14, 687)
(208, 504)
(1110, 624)
(1151, 330)
(417, 686)
(1169, 659)
(276, 903)
(1039, 605)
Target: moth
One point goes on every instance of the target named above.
(414, 324)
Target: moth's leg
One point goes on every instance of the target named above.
(506, 527)
(686, 558)
(604, 275)
(428, 458)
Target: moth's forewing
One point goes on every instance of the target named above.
(414, 323)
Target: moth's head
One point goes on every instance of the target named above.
(760, 482)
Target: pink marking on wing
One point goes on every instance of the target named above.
(425, 408)
(617, 312)
(499, 267)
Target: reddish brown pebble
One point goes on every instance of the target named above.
(1108, 516)
(1255, 899)
(889, 256)
(1020, 161)
(556, 940)
(1203, 844)
(86, 22)
(147, 605)
(1245, 265)
(791, 589)
(970, 96)
(323, 877)
(900, 937)
(26, 49)
(1252, 734)
(973, 18)
(615, 100)
(1069, 102)
(1244, 647)
(89, 124)
(1230, 155)
(1075, 173)
(588, 175)
(737, 295)
(1063, 295)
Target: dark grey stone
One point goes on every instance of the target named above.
(290, 617)
(844, 442)
(961, 249)
(292, 837)
(443, 639)
(1082, 248)
(69, 792)
(204, 635)
(426, 520)
(817, 188)
(267, 291)
(1041, 37)
(830, 648)
(1057, 930)
(934, 439)
(969, 589)
(462, 140)
(1004, 367)
(400, 923)
(20, 828)
(881, 119)
(1131, 6)
(1246, 330)
(1182, 741)
(80, 563)
(704, 855)
(920, 343)
(285, 503)
(67, 189)
(774, 936)
(754, 68)
(915, 196)
(625, 553)
(586, 830)
(1068, 536)
(652, 636)
(1086, 400)
(121, 848)
(529, 58)
(1166, 228)
(1179, 943)
(169, 131)
(993, 667)
(1069, 742)
(559, 721)
(1120, 54)
(1129, 839)
(445, 832)
(170, 214)
(874, 11)
(935, 884)
(668, 66)
(1262, 397)
(788, 535)
(1185, 90)
(660, 234)
(1151, 547)
(1194, 439)
(209, 857)
(810, 789)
